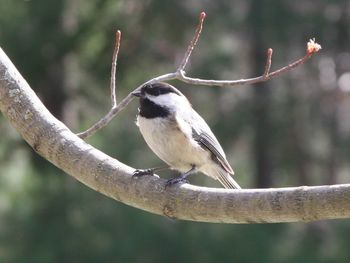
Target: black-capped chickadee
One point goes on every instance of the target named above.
(179, 136)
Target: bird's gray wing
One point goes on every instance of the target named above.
(205, 137)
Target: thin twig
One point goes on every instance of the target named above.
(118, 35)
(193, 42)
(179, 74)
(122, 104)
(290, 66)
(268, 62)
(230, 83)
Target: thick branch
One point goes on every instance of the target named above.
(55, 142)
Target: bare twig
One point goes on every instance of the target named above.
(118, 35)
(230, 83)
(193, 42)
(115, 110)
(268, 62)
(179, 74)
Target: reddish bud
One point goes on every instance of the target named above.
(269, 52)
(118, 34)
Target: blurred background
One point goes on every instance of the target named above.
(290, 131)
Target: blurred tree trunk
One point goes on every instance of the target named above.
(333, 99)
(298, 136)
(333, 133)
(49, 70)
(261, 98)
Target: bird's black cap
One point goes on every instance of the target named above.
(156, 89)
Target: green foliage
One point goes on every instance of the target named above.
(63, 48)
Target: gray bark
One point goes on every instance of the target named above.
(56, 143)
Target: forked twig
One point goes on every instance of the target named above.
(179, 74)
(266, 76)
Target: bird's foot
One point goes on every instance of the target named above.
(142, 172)
(176, 180)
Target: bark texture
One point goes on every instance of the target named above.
(56, 143)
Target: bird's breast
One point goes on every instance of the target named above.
(171, 144)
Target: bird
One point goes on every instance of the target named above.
(179, 136)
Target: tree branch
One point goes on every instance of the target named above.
(56, 143)
(179, 74)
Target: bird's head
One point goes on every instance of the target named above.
(163, 95)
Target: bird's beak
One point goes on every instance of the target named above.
(137, 93)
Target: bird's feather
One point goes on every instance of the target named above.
(206, 139)
(226, 180)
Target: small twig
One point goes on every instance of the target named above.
(193, 42)
(230, 83)
(179, 74)
(115, 110)
(289, 67)
(118, 35)
(268, 62)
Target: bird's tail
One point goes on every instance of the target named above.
(226, 180)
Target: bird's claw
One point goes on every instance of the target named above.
(142, 172)
(176, 180)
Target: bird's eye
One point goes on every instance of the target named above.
(154, 91)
